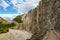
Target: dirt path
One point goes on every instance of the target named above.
(15, 35)
(52, 35)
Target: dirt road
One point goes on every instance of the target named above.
(52, 35)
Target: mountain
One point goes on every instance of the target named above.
(44, 17)
(3, 21)
(8, 19)
(43, 21)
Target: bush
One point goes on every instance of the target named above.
(18, 19)
(5, 27)
(3, 30)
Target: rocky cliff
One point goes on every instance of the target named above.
(44, 17)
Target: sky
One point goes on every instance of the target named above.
(9, 9)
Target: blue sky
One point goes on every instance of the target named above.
(13, 7)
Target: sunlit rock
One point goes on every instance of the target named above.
(16, 35)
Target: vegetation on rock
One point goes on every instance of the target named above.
(5, 27)
(19, 20)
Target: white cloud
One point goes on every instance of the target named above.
(16, 1)
(8, 17)
(20, 5)
(4, 4)
(24, 7)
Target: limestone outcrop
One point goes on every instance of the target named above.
(44, 17)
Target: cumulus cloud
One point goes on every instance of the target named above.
(3, 4)
(24, 6)
(20, 5)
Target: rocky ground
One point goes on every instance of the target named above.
(15, 35)
(52, 35)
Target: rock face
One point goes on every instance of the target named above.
(45, 16)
